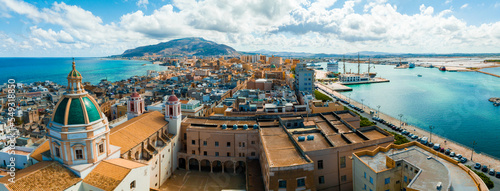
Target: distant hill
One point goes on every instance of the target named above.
(182, 47)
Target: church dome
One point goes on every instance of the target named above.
(76, 110)
(135, 94)
(172, 98)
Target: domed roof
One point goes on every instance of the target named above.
(74, 73)
(173, 98)
(79, 109)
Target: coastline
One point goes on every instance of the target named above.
(483, 158)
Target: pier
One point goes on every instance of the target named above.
(498, 76)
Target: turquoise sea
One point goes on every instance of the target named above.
(456, 103)
(27, 70)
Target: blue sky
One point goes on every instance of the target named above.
(102, 28)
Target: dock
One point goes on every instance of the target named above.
(339, 87)
(457, 69)
(373, 80)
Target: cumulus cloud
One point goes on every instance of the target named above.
(464, 6)
(143, 3)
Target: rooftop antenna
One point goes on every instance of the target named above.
(358, 62)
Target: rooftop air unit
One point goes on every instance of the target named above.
(235, 127)
(224, 126)
(310, 137)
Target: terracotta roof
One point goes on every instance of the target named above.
(133, 132)
(173, 98)
(37, 153)
(108, 174)
(42, 176)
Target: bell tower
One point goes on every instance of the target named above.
(135, 105)
(173, 114)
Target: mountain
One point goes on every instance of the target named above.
(182, 47)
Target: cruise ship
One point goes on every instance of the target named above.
(333, 66)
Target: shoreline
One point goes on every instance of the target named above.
(458, 148)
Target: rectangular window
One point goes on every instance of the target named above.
(185, 136)
(205, 153)
(371, 180)
(216, 143)
(343, 178)
(365, 187)
(193, 152)
(101, 148)
(387, 180)
(342, 162)
(321, 180)
(58, 153)
(301, 182)
(204, 143)
(216, 154)
(253, 154)
(365, 175)
(282, 183)
(320, 164)
(193, 142)
(243, 144)
(228, 154)
(228, 144)
(79, 153)
(253, 142)
(406, 179)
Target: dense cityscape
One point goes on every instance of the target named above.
(144, 103)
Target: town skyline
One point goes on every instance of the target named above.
(91, 29)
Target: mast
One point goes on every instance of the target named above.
(343, 58)
(369, 66)
(358, 62)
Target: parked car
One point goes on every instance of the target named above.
(430, 144)
(441, 150)
(447, 152)
(485, 168)
(477, 165)
(452, 154)
(436, 147)
(456, 158)
(492, 172)
(459, 156)
(463, 160)
(498, 175)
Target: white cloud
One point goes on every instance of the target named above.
(143, 3)
(464, 6)
(296, 25)
(497, 5)
(448, 1)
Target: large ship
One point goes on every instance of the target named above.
(333, 66)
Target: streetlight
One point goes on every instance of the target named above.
(431, 128)
(378, 113)
(473, 144)
(362, 105)
(400, 120)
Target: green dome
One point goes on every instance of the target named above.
(76, 114)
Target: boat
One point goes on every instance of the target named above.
(411, 65)
(420, 75)
(442, 68)
(332, 66)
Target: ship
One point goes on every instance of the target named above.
(411, 65)
(332, 66)
(442, 68)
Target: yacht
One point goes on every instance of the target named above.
(332, 66)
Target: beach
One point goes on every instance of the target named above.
(484, 159)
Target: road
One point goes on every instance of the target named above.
(367, 114)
